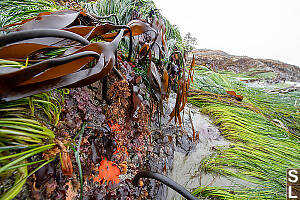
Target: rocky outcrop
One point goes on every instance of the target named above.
(219, 60)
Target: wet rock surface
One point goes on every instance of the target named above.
(178, 155)
(189, 151)
(151, 149)
(186, 165)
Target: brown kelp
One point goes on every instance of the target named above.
(31, 39)
(69, 49)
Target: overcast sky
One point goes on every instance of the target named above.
(255, 28)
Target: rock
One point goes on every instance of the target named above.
(219, 60)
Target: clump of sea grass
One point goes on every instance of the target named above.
(264, 131)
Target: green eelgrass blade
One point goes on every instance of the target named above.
(23, 128)
(16, 188)
(21, 181)
(6, 148)
(4, 131)
(21, 139)
(25, 154)
(28, 123)
(77, 156)
(25, 164)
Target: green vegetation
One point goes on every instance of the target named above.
(22, 137)
(189, 42)
(12, 11)
(126, 10)
(263, 129)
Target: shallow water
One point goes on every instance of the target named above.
(186, 167)
(187, 156)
